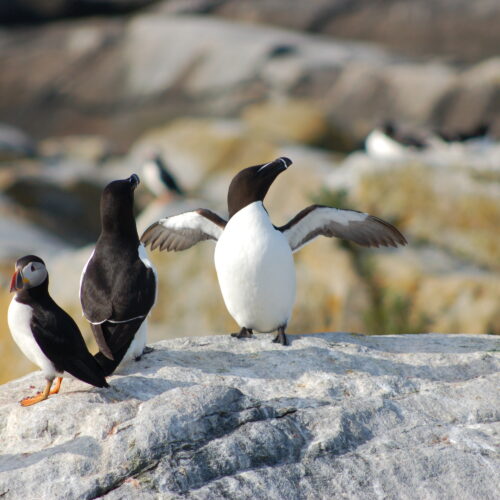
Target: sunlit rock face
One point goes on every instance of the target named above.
(443, 199)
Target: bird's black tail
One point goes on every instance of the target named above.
(118, 337)
(87, 370)
(108, 366)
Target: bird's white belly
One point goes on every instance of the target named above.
(255, 269)
(19, 317)
(137, 345)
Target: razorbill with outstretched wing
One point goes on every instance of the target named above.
(253, 258)
(118, 285)
(45, 333)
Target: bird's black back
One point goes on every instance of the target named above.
(60, 339)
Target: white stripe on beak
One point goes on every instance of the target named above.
(264, 166)
(284, 162)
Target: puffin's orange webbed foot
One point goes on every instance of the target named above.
(41, 396)
(57, 386)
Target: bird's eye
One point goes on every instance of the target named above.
(32, 267)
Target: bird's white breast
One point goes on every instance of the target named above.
(255, 269)
(380, 145)
(19, 318)
(137, 345)
(152, 178)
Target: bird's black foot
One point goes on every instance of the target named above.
(245, 333)
(281, 337)
(146, 350)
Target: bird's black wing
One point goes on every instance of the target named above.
(118, 337)
(182, 231)
(61, 341)
(167, 178)
(95, 289)
(116, 293)
(133, 293)
(319, 220)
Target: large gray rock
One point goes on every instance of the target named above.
(332, 416)
(458, 28)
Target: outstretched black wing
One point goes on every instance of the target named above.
(319, 220)
(182, 231)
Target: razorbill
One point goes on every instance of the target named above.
(46, 334)
(253, 258)
(118, 284)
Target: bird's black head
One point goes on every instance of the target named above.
(252, 184)
(30, 273)
(389, 128)
(117, 206)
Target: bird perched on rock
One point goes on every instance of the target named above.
(46, 334)
(158, 178)
(118, 284)
(253, 258)
(388, 142)
(170, 196)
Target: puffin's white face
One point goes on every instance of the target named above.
(28, 275)
(34, 274)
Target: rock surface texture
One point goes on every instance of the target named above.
(333, 416)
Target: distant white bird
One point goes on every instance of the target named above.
(388, 142)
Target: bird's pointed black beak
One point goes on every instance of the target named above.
(275, 167)
(134, 180)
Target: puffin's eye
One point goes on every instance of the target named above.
(32, 267)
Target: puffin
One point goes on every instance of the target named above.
(388, 142)
(158, 179)
(118, 283)
(45, 333)
(253, 258)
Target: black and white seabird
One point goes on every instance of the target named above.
(253, 258)
(46, 334)
(158, 179)
(118, 284)
(387, 141)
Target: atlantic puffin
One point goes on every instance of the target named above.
(45, 333)
(158, 179)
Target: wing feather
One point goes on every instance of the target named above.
(182, 231)
(318, 220)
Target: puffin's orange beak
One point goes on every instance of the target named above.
(16, 283)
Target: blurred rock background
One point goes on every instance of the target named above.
(88, 89)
